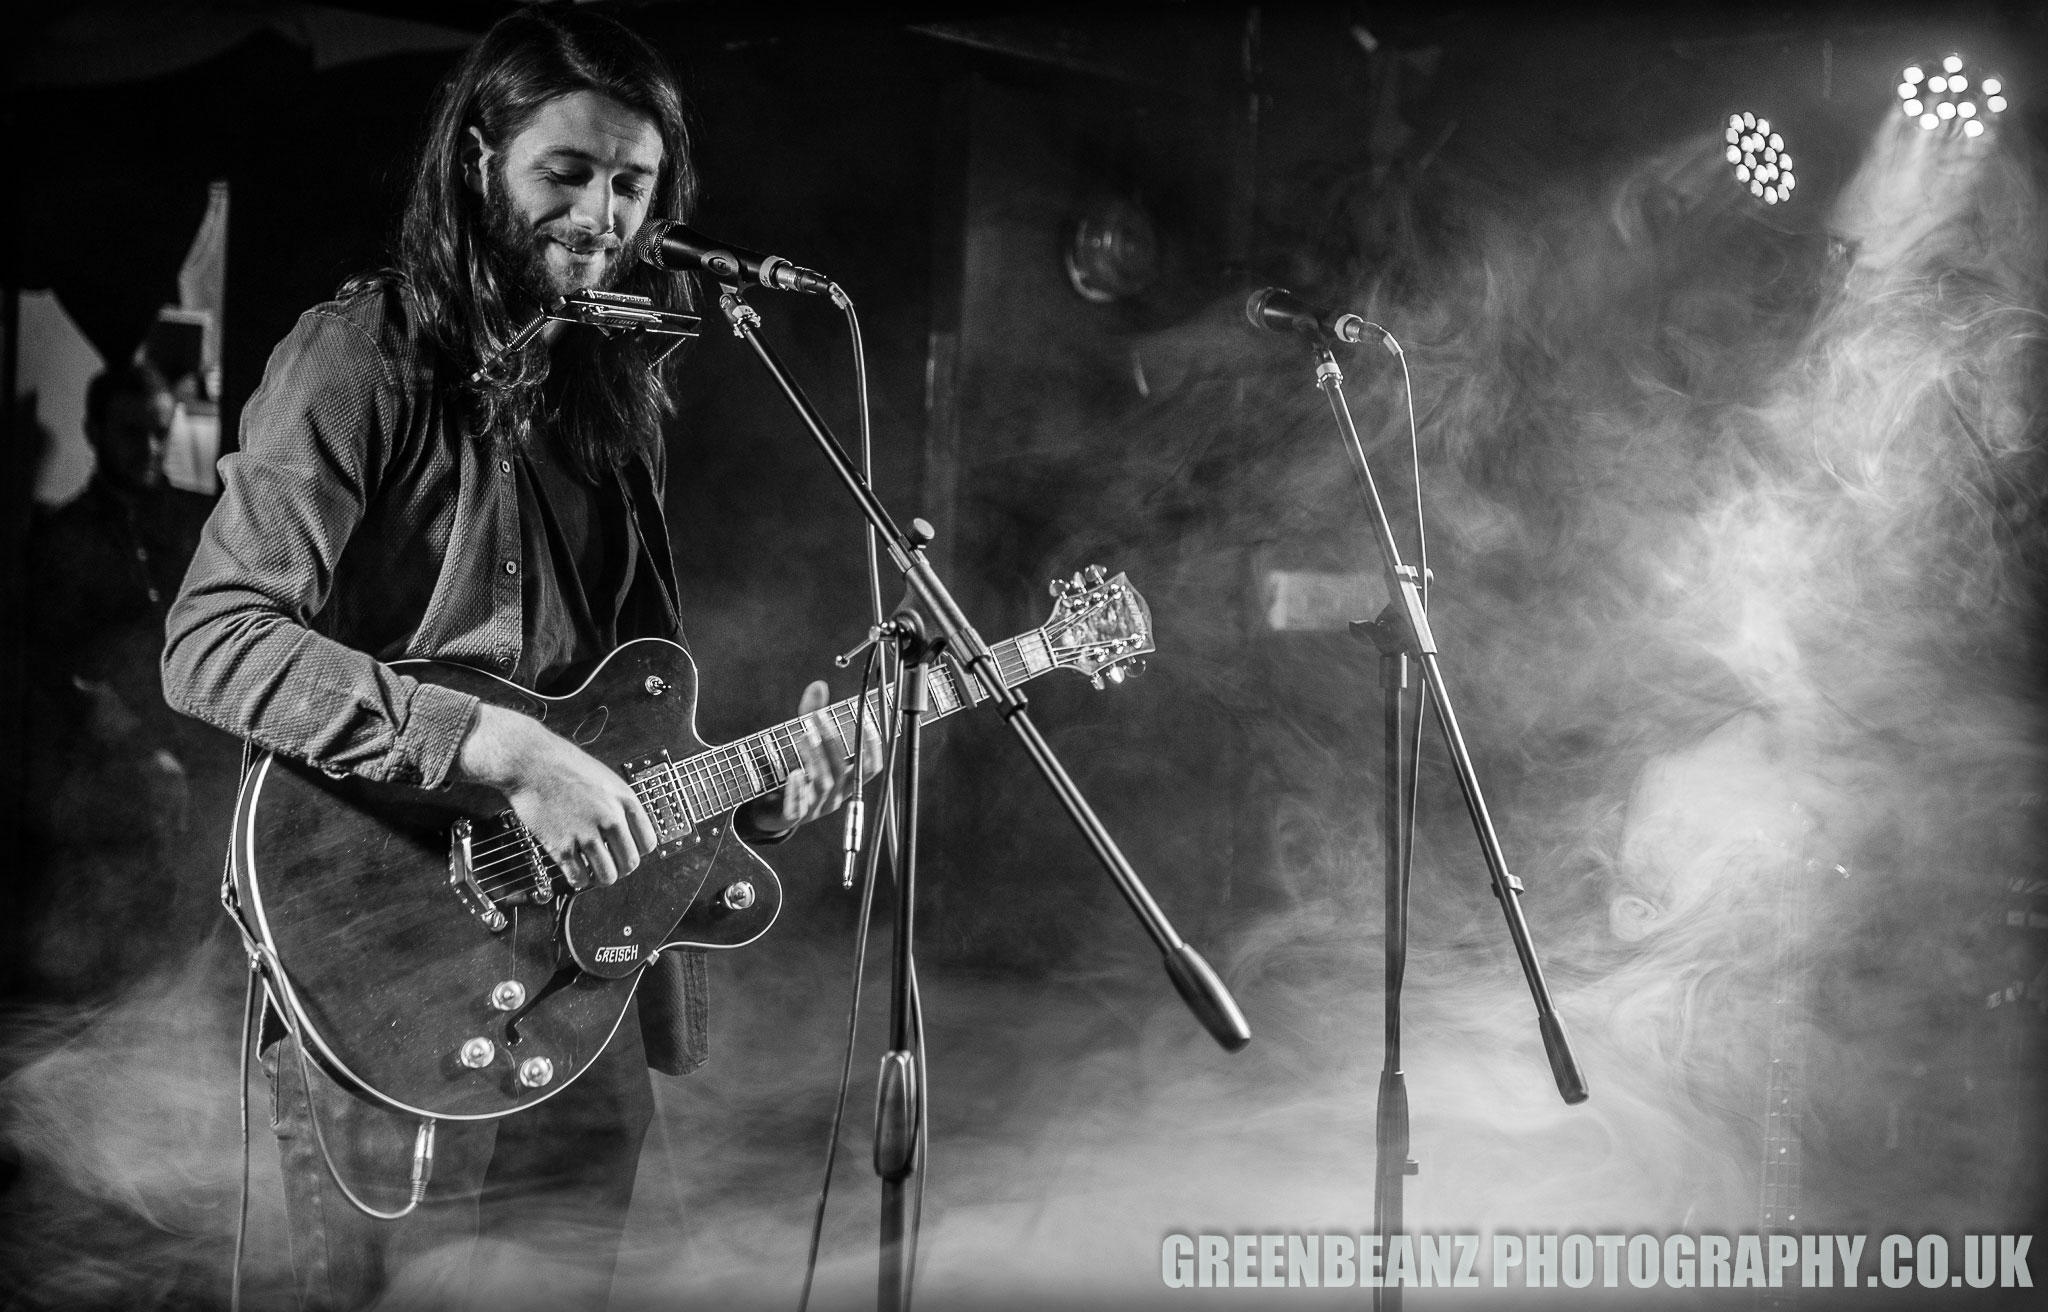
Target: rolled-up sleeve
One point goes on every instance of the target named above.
(241, 651)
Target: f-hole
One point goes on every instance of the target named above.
(562, 979)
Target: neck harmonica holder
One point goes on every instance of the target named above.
(611, 313)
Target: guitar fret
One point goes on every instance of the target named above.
(1007, 661)
(706, 785)
(763, 761)
(776, 750)
(1033, 656)
(739, 765)
(847, 722)
(945, 698)
(721, 778)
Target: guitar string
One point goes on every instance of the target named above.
(716, 769)
(723, 777)
(515, 854)
(719, 776)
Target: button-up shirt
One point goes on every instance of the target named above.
(360, 523)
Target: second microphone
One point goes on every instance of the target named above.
(1278, 310)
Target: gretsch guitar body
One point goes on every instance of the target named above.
(431, 957)
(393, 976)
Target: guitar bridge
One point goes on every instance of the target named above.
(462, 877)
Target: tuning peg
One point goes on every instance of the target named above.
(1057, 587)
(1097, 574)
(1077, 583)
(1116, 673)
(1133, 667)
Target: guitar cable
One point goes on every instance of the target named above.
(860, 961)
(249, 996)
(1422, 587)
(1410, 802)
(884, 826)
(231, 903)
(422, 1150)
(856, 813)
(423, 1140)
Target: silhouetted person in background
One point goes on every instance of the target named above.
(111, 768)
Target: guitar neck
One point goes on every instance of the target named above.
(723, 778)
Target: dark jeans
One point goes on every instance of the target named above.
(547, 1187)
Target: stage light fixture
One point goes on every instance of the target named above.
(1957, 95)
(1758, 154)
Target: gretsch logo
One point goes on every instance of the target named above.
(622, 952)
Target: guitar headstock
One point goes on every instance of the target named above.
(1099, 626)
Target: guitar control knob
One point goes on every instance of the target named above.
(655, 685)
(509, 995)
(738, 896)
(536, 1072)
(476, 1053)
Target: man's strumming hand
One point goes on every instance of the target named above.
(583, 815)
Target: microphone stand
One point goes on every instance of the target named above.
(899, 1097)
(1193, 978)
(1401, 632)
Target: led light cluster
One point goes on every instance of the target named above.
(1952, 95)
(1759, 157)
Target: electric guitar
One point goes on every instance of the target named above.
(430, 955)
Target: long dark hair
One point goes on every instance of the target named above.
(604, 399)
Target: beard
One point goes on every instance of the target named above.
(517, 249)
(567, 382)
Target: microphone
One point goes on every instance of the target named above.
(678, 248)
(1278, 310)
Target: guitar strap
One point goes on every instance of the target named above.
(643, 506)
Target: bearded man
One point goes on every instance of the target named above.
(383, 505)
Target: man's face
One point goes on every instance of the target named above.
(130, 439)
(564, 196)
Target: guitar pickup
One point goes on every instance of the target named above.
(660, 789)
(462, 877)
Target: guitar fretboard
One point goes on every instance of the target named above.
(714, 782)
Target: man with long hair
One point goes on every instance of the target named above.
(404, 491)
